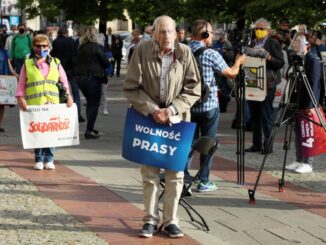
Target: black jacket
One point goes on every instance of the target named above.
(91, 60)
(65, 49)
(312, 69)
(273, 65)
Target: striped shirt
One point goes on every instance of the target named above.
(167, 60)
(211, 62)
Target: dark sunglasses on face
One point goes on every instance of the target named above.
(261, 29)
(41, 45)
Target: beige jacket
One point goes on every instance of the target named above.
(142, 84)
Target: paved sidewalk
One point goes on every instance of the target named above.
(94, 196)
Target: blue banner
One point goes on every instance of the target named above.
(149, 143)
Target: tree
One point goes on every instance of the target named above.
(82, 12)
(144, 12)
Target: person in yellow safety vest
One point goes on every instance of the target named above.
(37, 86)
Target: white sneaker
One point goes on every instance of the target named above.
(304, 168)
(293, 166)
(49, 166)
(105, 112)
(39, 166)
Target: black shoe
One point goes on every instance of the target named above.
(248, 127)
(234, 124)
(265, 151)
(148, 230)
(91, 135)
(118, 75)
(81, 119)
(2, 130)
(173, 231)
(254, 149)
(95, 131)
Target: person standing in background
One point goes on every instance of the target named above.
(117, 54)
(64, 48)
(21, 46)
(89, 69)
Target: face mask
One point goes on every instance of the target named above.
(21, 31)
(41, 53)
(15, 32)
(260, 34)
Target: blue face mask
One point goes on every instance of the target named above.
(44, 53)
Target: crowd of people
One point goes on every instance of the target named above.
(155, 89)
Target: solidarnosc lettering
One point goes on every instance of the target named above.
(54, 125)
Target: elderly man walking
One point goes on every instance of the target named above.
(162, 80)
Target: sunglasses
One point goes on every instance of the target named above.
(41, 45)
(261, 29)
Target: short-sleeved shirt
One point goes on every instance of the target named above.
(21, 46)
(211, 62)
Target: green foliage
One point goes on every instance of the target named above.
(143, 12)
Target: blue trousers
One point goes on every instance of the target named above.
(207, 124)
(44, 154)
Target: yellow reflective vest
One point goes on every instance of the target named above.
(39, 89)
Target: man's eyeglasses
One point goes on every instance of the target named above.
(261, 29)
(41, 45)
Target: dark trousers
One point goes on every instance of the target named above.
(117, 61)
(18, 63)
(75, 94)
(262, 117)
(91, 89)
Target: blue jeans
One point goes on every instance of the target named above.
(262, 118)
(91, 88)
(44, 154)
(207, 124)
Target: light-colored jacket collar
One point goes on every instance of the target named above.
(177, 51)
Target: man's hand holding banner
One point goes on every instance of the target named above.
(146, 142)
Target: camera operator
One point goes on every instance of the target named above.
(262, 113)
(302, 46)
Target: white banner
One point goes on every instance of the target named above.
(49, 126)
(8, 85)
(255, 78)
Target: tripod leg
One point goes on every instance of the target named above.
(252, 192)
(286, 147)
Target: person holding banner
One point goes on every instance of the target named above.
(162, 81)
(262, 113)
(302, 46)
(37, 86)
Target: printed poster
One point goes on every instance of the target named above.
(8, 85)
(149, 143)
(49, 126)
(312, 137)
(255, 78)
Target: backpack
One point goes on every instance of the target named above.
(204, 87)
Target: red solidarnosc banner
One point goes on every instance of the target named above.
(312, 137)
